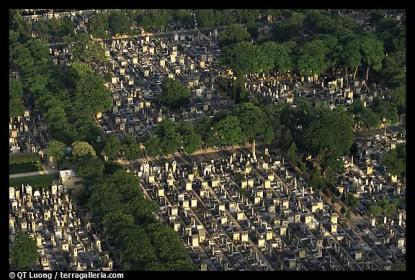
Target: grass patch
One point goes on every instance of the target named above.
(39, 181)
(25, 167)
(21, 158)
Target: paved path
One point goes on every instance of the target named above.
(43, 172)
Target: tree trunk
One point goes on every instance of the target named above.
(355, 72)
(367, 73)
(347, 76)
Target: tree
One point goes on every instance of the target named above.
(332, 131)
(312, 58)
(90, 168)
(233, 34)
(116, 222)
(82, 149)
(23, 254)
(292, 154)
(168, 245)
(252, 120)
(316, 180)
(119, 23)
(153, 146)
(191, 140)
(352, 201)
(245, 57)
(136, 249)
(375, 210)
(279, 56)
(56, 149)
(130, 148)
(112, 146)
(205, 17)
(91, 96)
(15, 98)
(228, 131)
(395, 160)
(288, 29)
(170, 139)
(174, 94)
(352, 55)
(98, 25)
(372, 53)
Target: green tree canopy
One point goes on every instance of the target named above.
(312, 58)
(112, 146)
(174, 94)
(233, 34)
(228, 131)
(15, 98)
(191, 140)
(90, 168)
(56, 149)
(130, 147)
(170, 139)
(372, 53)
(252, 120)
(23, 254)
(82, 149)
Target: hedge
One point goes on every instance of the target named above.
(23, 158)
(38, 181)
(24, 167)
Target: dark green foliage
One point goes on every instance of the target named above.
(279, 56)
(285, 30)
(386, 110)
(395, 160)
(245, 57)
(170, 140)
(174, 94)
(24, 167)
(152, 146)
(233, 34)
(90, 168)
(316, 180)
(332, 131)
(130, 148)
(15, 98)
(112, 147)
(56, 149)
(23, 254)
(292, 154)
(252, 120)
(351, 201)
(21, 158)
(98, 25)
(37, 182)
(191, 140)
(119, 23)
(313, 58)
(228, 131)
(142, 242)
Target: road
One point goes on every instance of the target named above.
(48, 171)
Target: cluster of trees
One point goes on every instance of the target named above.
(142, 241)
(212, 18)
(174, 94)
(55, 29)
(315, 55)
(16, 107)
(395, 160)
(169, 137)
(384, 207)
(68, 96)
(23, 253)
(106, 24)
